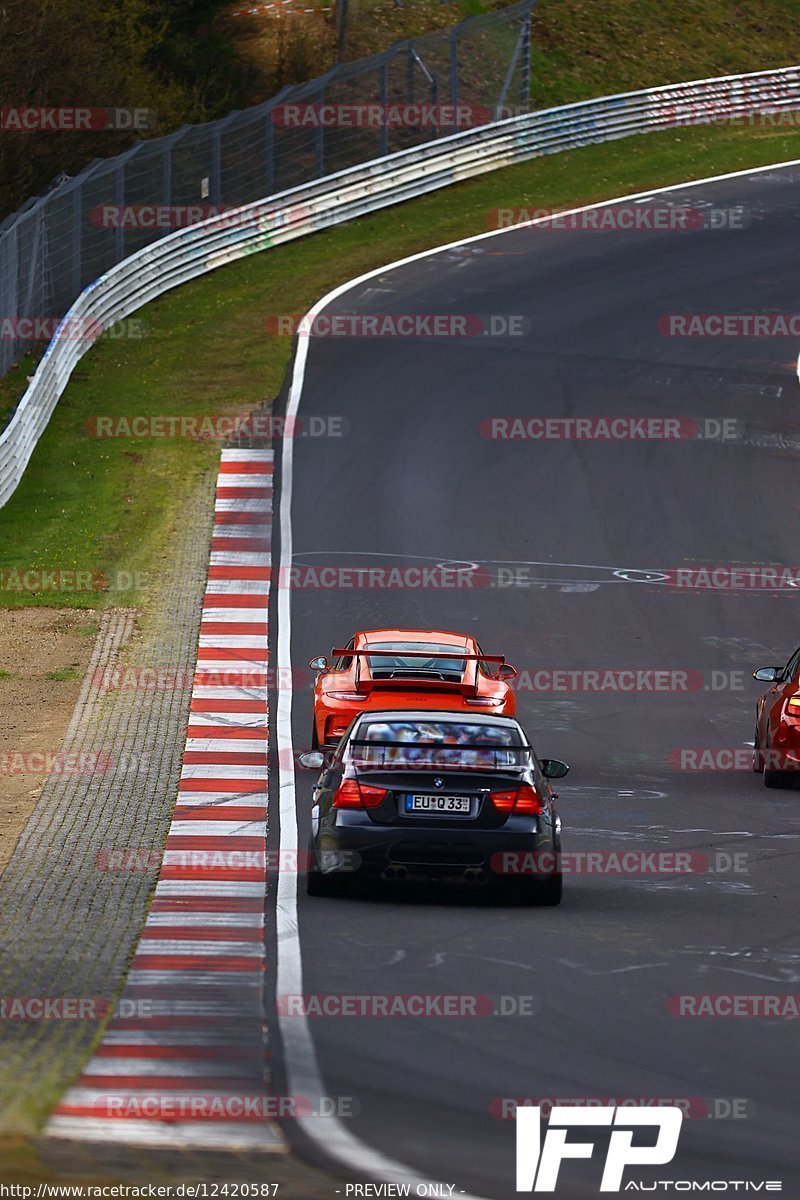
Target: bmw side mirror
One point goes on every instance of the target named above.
(554, 768)
(768, 674)
(319, 664)
(312, 760)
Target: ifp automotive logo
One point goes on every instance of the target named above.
(538, 1163)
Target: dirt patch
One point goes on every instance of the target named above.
(43, 658)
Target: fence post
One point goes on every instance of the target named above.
(454, 73)
(526, 55)
(269, 151)
(119, 200)
(9, 289)
(216, 168)
(76, 285)
(320, 138)
(166, 173)
(383, 100)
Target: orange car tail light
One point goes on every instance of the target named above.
(352, 794)
(524, 799)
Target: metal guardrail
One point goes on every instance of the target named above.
(470, 74)
(193, 251)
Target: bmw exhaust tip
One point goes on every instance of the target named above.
(395, 872)
(474, 875)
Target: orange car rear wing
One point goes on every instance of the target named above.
(456, 653)
(464, 686)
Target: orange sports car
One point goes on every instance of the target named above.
(406, 668)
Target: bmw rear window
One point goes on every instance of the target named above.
(438, 744)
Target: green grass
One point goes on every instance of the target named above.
(111, 505)
(585, 48)
(63, 674)
(581, 48)
(5, 675)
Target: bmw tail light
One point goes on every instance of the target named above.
(524, 799)
(528, 800)
(504, 801)
(793, 707)
(352, 794)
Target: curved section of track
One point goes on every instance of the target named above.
(576, 538)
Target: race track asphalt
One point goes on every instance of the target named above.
(591, 525)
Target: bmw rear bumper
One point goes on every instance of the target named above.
(391, 851)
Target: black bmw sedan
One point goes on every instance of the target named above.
(438, 796)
